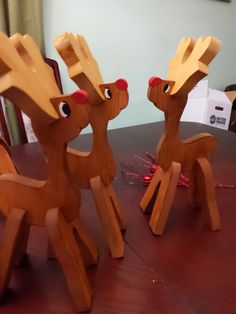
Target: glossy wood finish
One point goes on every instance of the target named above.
(188, 67)
(190, 270)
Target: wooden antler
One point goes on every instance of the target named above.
(25, 79)
(82, 67)
(190, 63)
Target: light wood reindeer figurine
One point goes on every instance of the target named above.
(56, 119)
(97, 167)
(173, 154)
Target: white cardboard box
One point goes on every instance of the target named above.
(195, 110)
(200, 90)
(208, 106)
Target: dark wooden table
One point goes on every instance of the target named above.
(188, 270)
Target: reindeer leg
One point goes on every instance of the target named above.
(164, 199)
(7, 166)
(194, 197)
(88, 248)
(207, 190)
(86, 243)
(11, 237)
(150, 195)
(68, 255)
(118, 209)
(107, 218)
(23, 242)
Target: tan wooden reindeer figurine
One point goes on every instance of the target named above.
(97, 167)
(56, 119)
(173, 154)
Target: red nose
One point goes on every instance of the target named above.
(80, 96)
(154, 81)
(121, 84)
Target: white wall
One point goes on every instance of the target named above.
(135, 39)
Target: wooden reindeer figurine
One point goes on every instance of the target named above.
(56, 119)
(97, 167)
(174, 155)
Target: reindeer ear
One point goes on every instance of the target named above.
(80, 96)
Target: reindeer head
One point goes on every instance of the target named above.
(27, 81)
(108, 99)
(188, 67)
(73, 116)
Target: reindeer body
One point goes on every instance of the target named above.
(173, 155)
(35, 196)
(186, 152)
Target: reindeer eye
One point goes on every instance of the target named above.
(166, 88)
(107, 93)
(64, 109)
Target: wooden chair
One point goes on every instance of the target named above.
(54, 203)
(97, 167)
(3, 122)
(174, 155)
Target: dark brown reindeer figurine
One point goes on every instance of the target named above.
(96, 170)
(54, 202)
(174, 155)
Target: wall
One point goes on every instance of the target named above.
(136, 39)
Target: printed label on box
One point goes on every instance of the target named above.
(218, 110)
(217, 120)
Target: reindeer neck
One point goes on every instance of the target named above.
(100, 140)
(170, 140)
(55, 154)
(171, 127)
(172, 119)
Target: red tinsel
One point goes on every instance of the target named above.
(134, 171)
